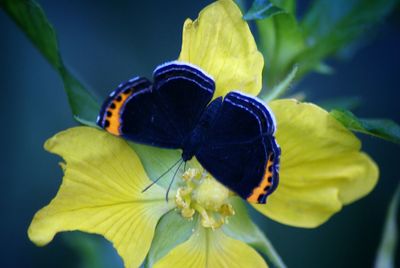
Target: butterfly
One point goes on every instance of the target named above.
(232, 137)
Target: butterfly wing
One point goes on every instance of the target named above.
(159, 114)
(184, 91)
(241, 151)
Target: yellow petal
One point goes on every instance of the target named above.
(322, 167)
(221, 43)
(101, 193)
(208, 248)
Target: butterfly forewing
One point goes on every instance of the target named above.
(161, 114)
(184, 92)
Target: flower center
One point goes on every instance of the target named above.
(201, 193)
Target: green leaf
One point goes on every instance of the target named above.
(345, 103)
(330, 26)
(288, 5)
(282, 87)
(281, 40)
(29, 16)
(381, 128)
(171, 231)
(261, 9)
(387, 249)
(84, 107)
(241, 227)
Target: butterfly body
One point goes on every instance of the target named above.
(193, 142)
(231, 137)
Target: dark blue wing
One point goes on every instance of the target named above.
(184, 92)
(160, 114)
(241, 151)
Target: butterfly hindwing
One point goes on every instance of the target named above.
(241, 151)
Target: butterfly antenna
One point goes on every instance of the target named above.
(162, 175)
(184, 167)
(173, 178)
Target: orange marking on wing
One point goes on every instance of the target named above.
(115, 108)
(261, 188)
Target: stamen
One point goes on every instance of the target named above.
(203, 194)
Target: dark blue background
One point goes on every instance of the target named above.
(105, 43)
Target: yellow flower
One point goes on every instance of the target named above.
(321, 170)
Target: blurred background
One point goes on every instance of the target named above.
(106, 42)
